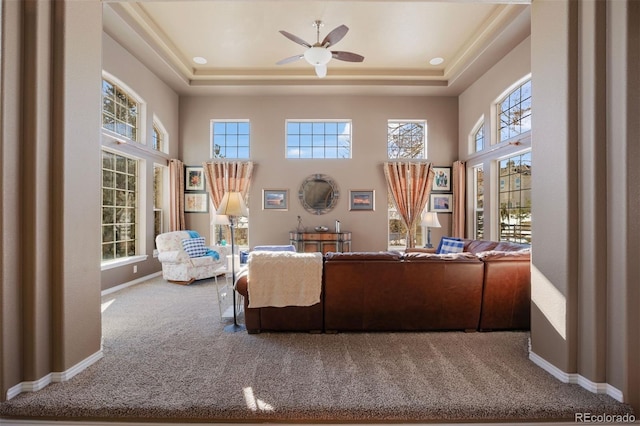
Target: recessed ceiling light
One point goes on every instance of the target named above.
(199, 60)
(436, 61)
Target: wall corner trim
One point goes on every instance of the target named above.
(36, 385)
(577, 379)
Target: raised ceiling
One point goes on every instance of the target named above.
(241, 41)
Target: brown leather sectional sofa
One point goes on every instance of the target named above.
(485, 288)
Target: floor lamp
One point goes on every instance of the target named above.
(233, 206)
(430, 220)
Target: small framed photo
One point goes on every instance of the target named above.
(275, 199)
(441, 203)
(441, 180)
(196, 202)
(193, 178)
(362, 200)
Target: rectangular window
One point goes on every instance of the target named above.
(478, 205)
(119, 111)
(119, 206)
(230, 139)
(479, 138)
(318, 139)
(407, 139)
(514, 112)
(158, 179)
(514, 192)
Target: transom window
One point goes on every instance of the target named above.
(119, 206)
(514, 193)
(230, 139)
(478, 138)
(406, 139)
(318, 139)
(158, 141)
(514, 112)
(119, 111)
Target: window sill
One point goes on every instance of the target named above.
(122, 262)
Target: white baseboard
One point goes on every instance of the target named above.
(130, 283)
(577, 379)
(36, 385)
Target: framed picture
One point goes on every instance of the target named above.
(441, 203)
(193, 178)
(196, 202)
(442, 179)
(362, 200)
(275, 199)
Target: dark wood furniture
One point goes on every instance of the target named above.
(324, 242)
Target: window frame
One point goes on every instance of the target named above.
(212, 138)
(141, 111)
(139, 217)
(506, 96)
(520, 190)
(315, 139)
(425, 138)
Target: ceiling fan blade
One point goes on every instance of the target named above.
(289, 59)
(294, 38)
(335, 36)
(347, 56)
(321, 71)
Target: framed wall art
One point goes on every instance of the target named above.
(362, 200)
(275, 199)
(441, 180)
(193, 178)
(441, 203)
(197, 202)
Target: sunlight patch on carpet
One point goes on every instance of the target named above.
(105, 305)
(253, 403)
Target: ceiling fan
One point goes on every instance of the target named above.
(318, 54)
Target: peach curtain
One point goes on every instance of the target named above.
(459, 196)
(223, 176)
(409, 185)
(176, 195)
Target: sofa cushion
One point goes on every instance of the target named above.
(195, 247)
(450, 245)
(423, 256)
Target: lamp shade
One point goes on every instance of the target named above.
(232, 204)
(220, 219)
(430, 219)
(317, 55)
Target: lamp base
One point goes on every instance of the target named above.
(233, 328)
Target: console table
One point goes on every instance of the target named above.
(323, 242)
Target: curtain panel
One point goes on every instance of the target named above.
(176, 195)
(459, 196)
(409, 185)
(224, 176)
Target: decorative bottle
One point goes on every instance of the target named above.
(337, 226)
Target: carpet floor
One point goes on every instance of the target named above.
(167, 358)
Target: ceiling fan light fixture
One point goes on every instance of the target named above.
(317, 55)
(321, 71)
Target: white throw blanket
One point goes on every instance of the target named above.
(281, 278)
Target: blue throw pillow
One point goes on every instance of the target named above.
(450, 245)
(195, 247)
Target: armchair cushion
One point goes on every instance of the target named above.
(195, 247)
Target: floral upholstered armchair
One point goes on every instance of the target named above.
(185, 258)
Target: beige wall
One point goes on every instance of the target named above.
(50, 281)
(585, 273)
(369, 117)
(163, 102)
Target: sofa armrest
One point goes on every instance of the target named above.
(176, 256)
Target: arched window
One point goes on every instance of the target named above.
(514, 112)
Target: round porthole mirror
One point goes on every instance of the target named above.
(318, 194)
